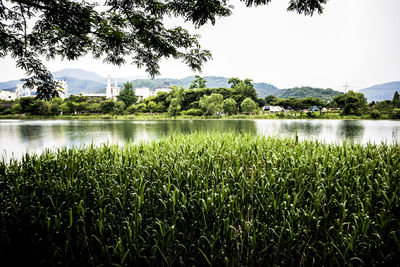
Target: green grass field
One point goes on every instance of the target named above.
(203, 199)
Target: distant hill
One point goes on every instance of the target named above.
(9, 84)
(77, 86)
(381, 92)
(80, 75)
(306, 91)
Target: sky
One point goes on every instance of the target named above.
(354, 42)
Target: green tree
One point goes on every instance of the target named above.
(244, 89)
(127, 94)
(40, 107)
(161, 107)
(174, 107)
(234, 81)
(72, 106)
(198, 83)
(141, 107)
(229, 106)
(211, 104)
(16, 109)
(270, 100)
(64, 108)
(107, 106)
(396, 100)
(94, 108)
(161, 97)
(119, 107)
(260, 102)
(175, 99)
(131, 109)
(352, 103)
(152, 106)
(35, 29)
(249, 106)
(81, 107)
(385, 107)
(26, 104)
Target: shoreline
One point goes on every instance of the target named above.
(157, 117)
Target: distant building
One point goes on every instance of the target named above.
(7, 94)
(112, 92)
(273, 109)
(165, 89)
(143, 93)
(22, 91)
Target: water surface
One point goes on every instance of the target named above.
(20, 136)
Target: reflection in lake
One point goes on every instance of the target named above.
(18, 137)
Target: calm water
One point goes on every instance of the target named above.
(18, 136)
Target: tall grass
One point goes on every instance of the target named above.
(204, 199)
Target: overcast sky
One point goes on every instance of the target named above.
(354, 41)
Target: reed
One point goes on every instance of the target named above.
(204, 199)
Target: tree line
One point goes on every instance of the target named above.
(199, 100)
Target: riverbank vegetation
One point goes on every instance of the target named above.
(198, 101)
(204, 199)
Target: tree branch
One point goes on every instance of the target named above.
(35, 5)
(25, 26)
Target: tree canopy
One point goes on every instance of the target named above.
(111, 30)
(127, 94)
(352, 103)
(198, 82)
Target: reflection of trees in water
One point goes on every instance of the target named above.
(306, 128)
(31, 133)
(185, 126)
(350, 130)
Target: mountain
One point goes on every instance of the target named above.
(381, 92)
(264, 89)
(306, 91)
(77, 86)
(9, 84)
(80, 75)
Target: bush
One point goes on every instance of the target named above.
(311, 114)
(193, 112)
(16, 109)
(375, 114)
(131, 109)
(396, 114)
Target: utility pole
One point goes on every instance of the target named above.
(345, 87)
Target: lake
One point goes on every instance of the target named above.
(20, 136)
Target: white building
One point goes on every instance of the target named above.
(112, 91)
(22, 91)
(143, 93)
(161, 89)
(7, 94)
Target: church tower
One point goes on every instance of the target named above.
(108, 88)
